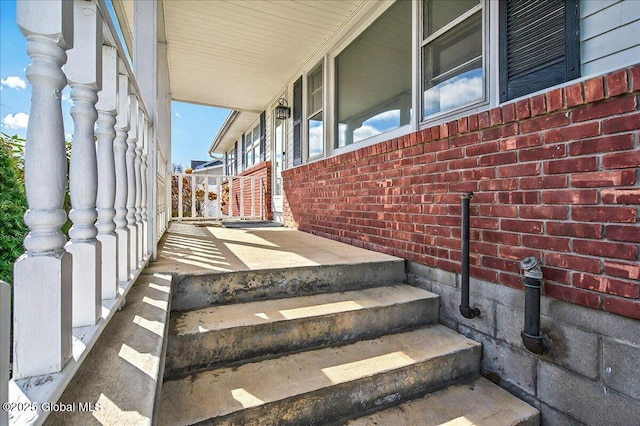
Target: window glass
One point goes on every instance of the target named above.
(315, 121)
(373, 78)
(438, 13)
(453, 74)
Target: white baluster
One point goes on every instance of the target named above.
(144, 179)
(138, 201)
(84, 73)
(42, 276)
(119, 150)
(131, 181)
(106, 133)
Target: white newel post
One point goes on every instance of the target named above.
(107, 106)
(131, 181)
(138, 200)
(84, 73)
(144, 180)
(42, 276)
(119, 150)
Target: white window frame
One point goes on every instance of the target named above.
(308, 114)
(489, 56)
(251, 145)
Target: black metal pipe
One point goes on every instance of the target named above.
(466, 310)
(531, 337)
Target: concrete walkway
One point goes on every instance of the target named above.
(188, 248)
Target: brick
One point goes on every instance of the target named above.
(464, 140)
(543, 212)
(572, 196)
(444, 130)
(572, 132)
(463, 125)
(543, 153)
(545, 122)
(463, 163)
(635, 77)
(603, 144)
(508, 113)
(479, 174)
(522, 109)
(604, 214)
(571, 165)
(519, 142)
(500, 264)
(449, 154)
(498, 159)
(611, 107)
(617, 83)
(605, 249)
(499, 211)
(501, 237)
(621, 124)
(546, 243)
(500, 132)
(607, 285)
(481, 148)
(555, 100)
(625, 307)
(623, 233)
(594, 89)
(436, 146)
(519, 197)
(473, 123)
(621, 160)
(603, 179)
(483, 119)
(621, 196)
(573, 295)
(517, 253)
(523, 226)
(538, 105)
(571, 262)
(573, 94)
(623, 270)
(495, 116)
(575, 229)
(544, 182)
(528, 169)
(453, 128)
(556, 275)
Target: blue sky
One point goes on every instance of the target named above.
(193, 126)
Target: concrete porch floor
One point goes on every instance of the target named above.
(189, 248)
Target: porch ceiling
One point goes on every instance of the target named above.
(239, 54)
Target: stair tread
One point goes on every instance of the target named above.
(213, 393)
(472, 402)
(266, 311)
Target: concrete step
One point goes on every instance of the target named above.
(213, 336)
(195, 291)
(323, 385)
(474, 401)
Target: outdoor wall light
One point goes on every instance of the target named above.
(282, 111)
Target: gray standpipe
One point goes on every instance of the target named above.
(531, 337)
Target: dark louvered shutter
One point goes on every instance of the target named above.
(539, 45)
(235, 158)
(297, 122)
(244, 151)
(263, 136)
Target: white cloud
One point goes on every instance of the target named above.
(178, 115)
(364, 132)
(392, 114)
(16, 121)
(14, 82)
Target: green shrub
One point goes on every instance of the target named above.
(13, 204)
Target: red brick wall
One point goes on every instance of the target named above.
(554, 176)
(262, 183)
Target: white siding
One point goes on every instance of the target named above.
(609, 34)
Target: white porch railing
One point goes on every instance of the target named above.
(5, 345)
(206, 197)
(66, 292)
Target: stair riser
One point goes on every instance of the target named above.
(199, 291)
(210, 349)
(346, 399)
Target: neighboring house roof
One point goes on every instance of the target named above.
(231, 131)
